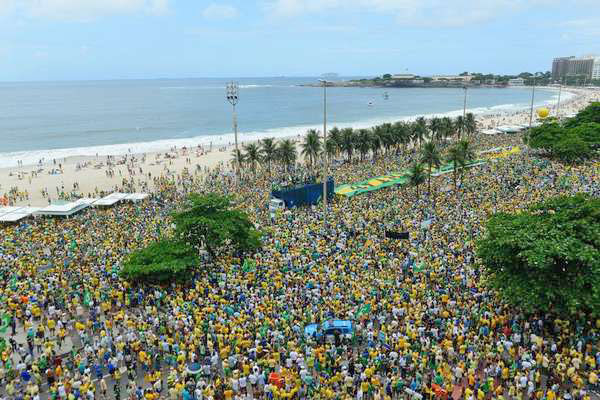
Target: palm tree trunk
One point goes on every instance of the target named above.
(429, 180)
(454, 173)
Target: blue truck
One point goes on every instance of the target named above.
(299, 196)
(330, 327)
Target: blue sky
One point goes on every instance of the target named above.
(109, 39)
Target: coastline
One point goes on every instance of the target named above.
(46, 156)
(91, 175)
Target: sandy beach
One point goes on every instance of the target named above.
(40, 185)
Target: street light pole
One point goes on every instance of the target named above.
(532, 97)
(558, 105)
(465, 103)
(324, 82)
(233, 97)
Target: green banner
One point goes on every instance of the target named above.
(369, 185)
(395, 178)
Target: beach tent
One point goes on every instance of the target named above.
(14, 214)
(111, 199)
(64, 209)
(510, 128)
(135, 197)
(490, 131)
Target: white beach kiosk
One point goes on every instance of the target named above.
(66, 209)
(117, 197)
(15, 214)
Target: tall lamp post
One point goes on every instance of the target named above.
(324, 82)
(233, 91)
(558, 105)
(465, 103)
(532, 97)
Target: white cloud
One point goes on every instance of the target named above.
(90, 9)
(6, 6)
(220, 11)
(431, 13)
(586, 28)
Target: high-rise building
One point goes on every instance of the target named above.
(587, 66)
(559, 67)
(596, 69)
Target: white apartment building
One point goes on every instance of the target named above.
(596, 68)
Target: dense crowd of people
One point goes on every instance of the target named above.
(424, 323)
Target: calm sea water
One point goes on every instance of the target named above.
(57, 119)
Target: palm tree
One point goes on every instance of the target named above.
(467, 150)
(252, 156)
(238, 159)
(419, 130)
(335, 134)
(311, 147)
(402, 134)
(430, 155)
(435, 126)
(286, 153)
(331, 148)
(447, 128)
(386, 135)
(455, 156)
(468, 153)
(375, 140)
(268, 150)
(347, 142)
(470, 124)
(459, 125)
(363, 143)
(417, 175)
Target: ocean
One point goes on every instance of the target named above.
(46, 120)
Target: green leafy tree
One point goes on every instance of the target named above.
(363, 142)
(335, 134)
(589, 132)
(563, 143)
(160, 262)
(470, 124)
(331, 148)
(311, 146)
(252, 156)
(417, 175)
(571, 148)
(210, 221)
(435, 126)
(447, 128)
(419, 130)
(546, 258)
(430, 155)
(286, 153)
(375, 141)
(589, 114)
(459, 126)
(237, 160)
(386, 136)
(347, 142)
(268, 151)
(402, 135)
(455, 156)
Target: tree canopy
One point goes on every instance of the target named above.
(548, 257)
(574, 140)
(209, 220)
(160, 262)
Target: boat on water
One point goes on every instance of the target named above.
(370, 104)
(386, 96)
